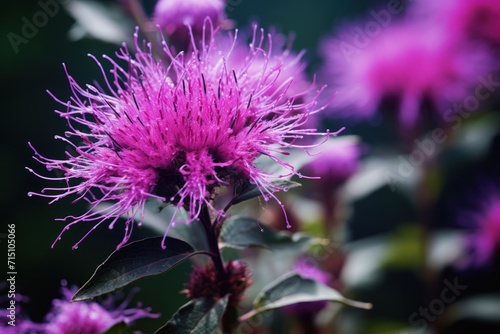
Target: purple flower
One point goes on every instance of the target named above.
(68, 317)
(19, 326)
(410, 66)
(288, 76)
(286, 68)
(176, 18)
(176, 132)
(336, 163)
(484, 241)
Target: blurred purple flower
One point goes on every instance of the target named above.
(289, 79)
(410, 65)
(176, 18)
(484, 241)
(68, 317)
(177, 133)
(336, 162)
(287, 68)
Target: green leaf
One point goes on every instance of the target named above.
(119, 328)
(199, 316)
(251, 190)
(293, 288)
(244, 232)
(133, 261)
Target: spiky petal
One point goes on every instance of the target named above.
(176, 132)
(68, 317)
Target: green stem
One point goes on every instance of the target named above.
(230, 318)
(213, 243)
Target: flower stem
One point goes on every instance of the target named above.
(213, 244)
(230, 318)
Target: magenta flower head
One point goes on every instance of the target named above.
(176, 132)
(484, 240)
(408, 67)
(305, 268)
(68, 317)
(177, 17)
(287, 67)
(289, 76)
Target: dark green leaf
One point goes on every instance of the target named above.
(251, 190)
(133, 261)
(293, 288)
(243, 232)
(119, 328)
(199, 316)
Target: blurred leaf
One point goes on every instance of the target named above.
(292, 289)
(119, 328)
(244, 232)
(104, 22)
(482, 308)
(199, 316)
(133, 261)
(406, 248)
(299, 158)
(388, 326)
(446, 247)
(472, 140)
(251, 190)
(377, 172)
(364, 260)
(367, 257)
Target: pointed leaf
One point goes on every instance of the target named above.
(133, 261)
(199, 316)
(119, 328)
(293, 288)
(251, 190)
(244, 232)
